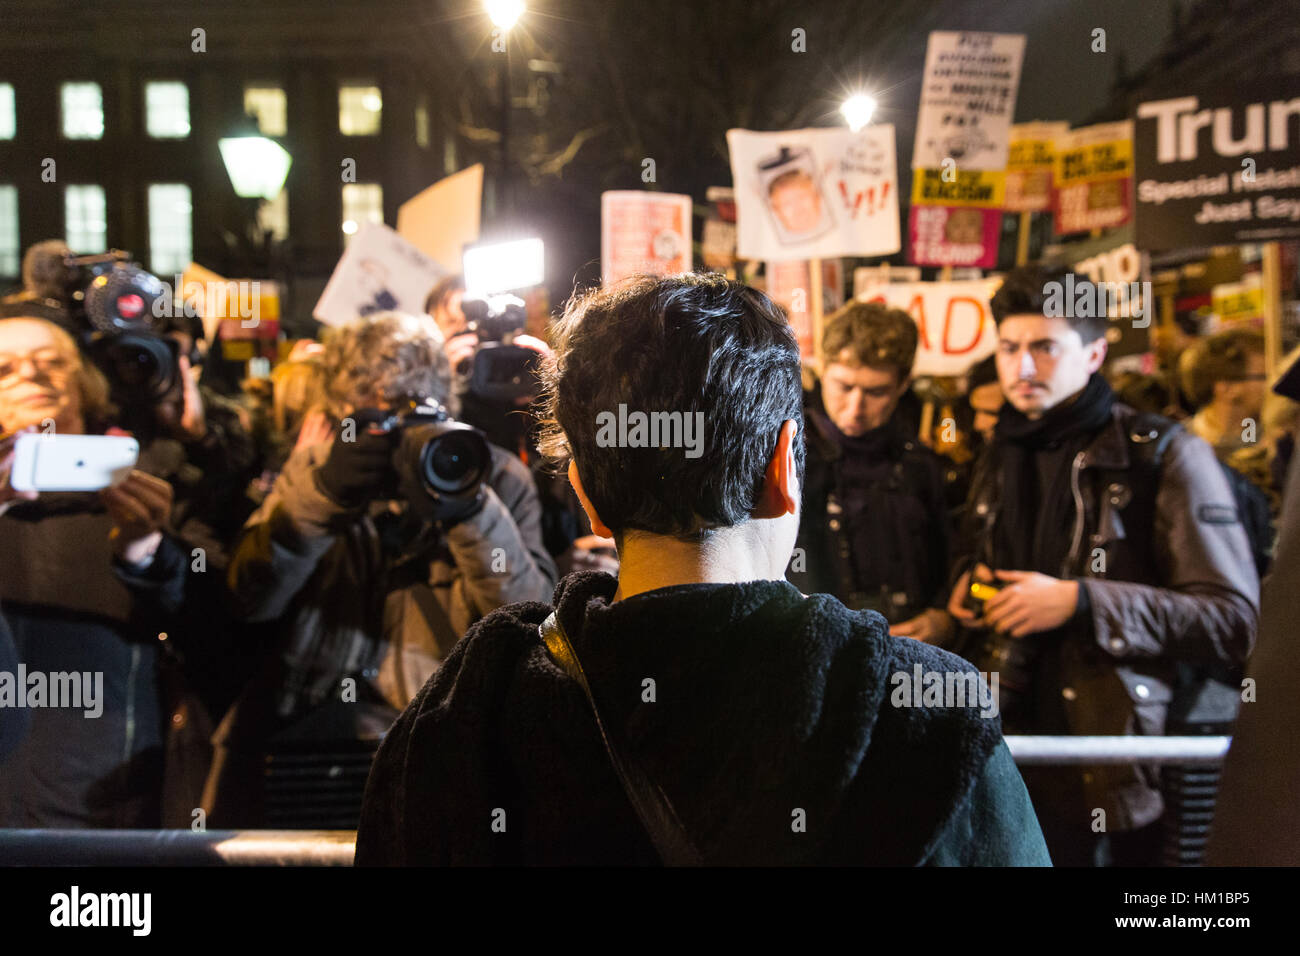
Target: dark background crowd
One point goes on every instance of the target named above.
(294, 555)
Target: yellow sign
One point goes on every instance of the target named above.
(985, 189)
(1094, 154)
(1033, 145)
(1237, 301)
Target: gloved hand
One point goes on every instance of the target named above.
(355, 470)
(450, 516)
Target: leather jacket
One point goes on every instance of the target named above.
(1172, 595)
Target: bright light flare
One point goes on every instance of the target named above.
(858, 109)
(504, 14)
(504, 267)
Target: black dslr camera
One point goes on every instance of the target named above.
(499, 371)
(440, 465)
(121, 313)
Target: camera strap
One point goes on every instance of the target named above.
(651, 804)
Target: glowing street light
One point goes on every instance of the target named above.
(504, 14)
(857, 109)
(257, 166)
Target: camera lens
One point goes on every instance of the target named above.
(455, 461)
(142, 366)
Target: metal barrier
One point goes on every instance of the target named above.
(177, 847)
(1062, 751)
(337, 847)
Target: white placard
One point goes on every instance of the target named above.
(953, 319)
(815, 193)
(968, 99)
(378, 272)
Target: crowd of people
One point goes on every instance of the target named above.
(264, 597)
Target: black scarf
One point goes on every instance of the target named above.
(1034, 525)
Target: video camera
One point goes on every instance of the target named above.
(440, 465)
(121, 314)
(499, 370)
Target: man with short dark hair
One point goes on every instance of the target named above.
(1128, 597)
(875, 524)
(739, 720)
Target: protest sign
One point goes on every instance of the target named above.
(954, 322)
(968, 98)
(1092, 178)
(644, 232)
(443, 219)
(953, 236)
(789, 284)
(815, 193)
(378, 272)
(1219, 167)
(1030, 158)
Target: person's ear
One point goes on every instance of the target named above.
(781, 492)
(597, 526)
(1096, 352)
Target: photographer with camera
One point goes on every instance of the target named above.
(86, 579)
(376, 550)
(1107, 575)
(494, 367)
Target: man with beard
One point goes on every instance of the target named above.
(1126, 588)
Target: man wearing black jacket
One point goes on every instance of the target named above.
(875, 523)
(773, 724)
(1128, 596)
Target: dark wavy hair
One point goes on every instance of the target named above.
(686, 343)
(1025, 291)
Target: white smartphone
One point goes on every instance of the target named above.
(72, 462)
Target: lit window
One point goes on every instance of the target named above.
(359, 110)
(362, 203)
(7, 120)
(273, 216)
(170, 235)
(449, 155)
(167, 110)
(267, 103)
(85, 220)
(83, 111)
(9, 248)
(422, 124)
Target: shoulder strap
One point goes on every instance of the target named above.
(1149, 436)
(651, 804)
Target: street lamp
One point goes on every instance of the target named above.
(857, 109)
(257, 166)
(504, 14)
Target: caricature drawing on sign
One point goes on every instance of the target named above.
(373, 279)
(792, 188)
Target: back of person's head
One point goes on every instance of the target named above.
(1146, 393)
(296, 389)
(1053, 292)
(870, 334)
(695, 347)
(1225, 357)
(384, 359)
(44, 273)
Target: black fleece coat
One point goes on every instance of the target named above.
(770, 730)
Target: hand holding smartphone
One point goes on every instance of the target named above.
(72, 462)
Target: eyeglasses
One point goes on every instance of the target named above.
(44, 363)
